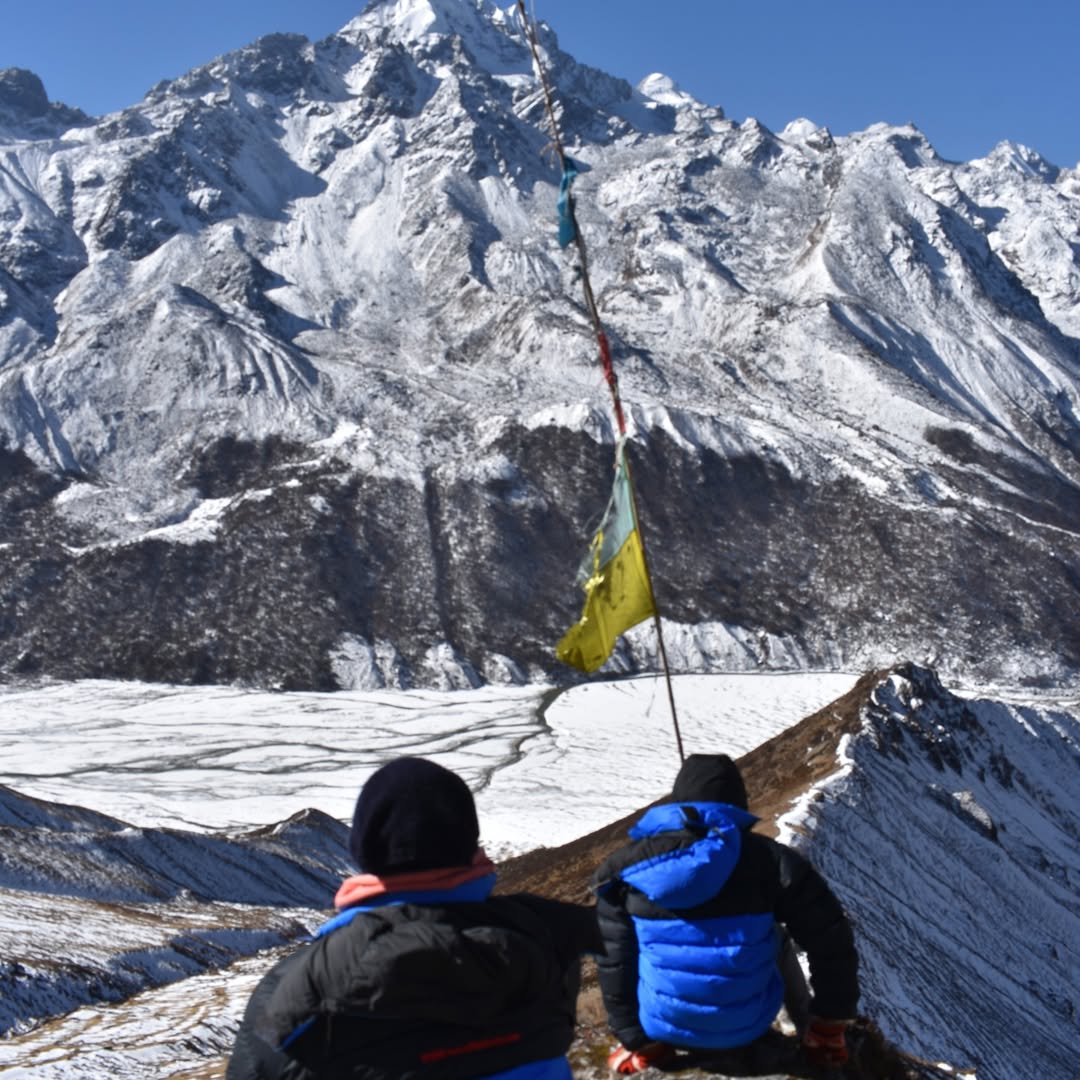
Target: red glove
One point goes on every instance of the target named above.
(626, 1062)
(824, 1043)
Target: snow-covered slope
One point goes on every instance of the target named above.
(296, 386)
(95, 910)
(953, 837)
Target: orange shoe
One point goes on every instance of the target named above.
(824, 1043)
(627, 1062)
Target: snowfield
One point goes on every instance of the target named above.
(222, 758)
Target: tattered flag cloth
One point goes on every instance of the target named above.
(567, 230)
(618, 593)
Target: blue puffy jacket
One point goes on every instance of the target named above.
(689, 914)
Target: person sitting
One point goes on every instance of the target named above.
(693, 913)
(423, 973)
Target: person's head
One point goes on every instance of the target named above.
(413, 815)
(709, 778)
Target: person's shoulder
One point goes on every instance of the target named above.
(253, 1054)
(638, 851)
(753, 838)
(261, 1016)
(790, 867)
(280, 969)
(530, 905)
(321, 969)
(764, 859)
(565, 921)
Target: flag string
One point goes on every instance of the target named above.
(570, 232)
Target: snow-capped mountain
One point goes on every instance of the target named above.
(297, 387)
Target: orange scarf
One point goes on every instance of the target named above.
(361, 887)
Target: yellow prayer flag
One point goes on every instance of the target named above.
(618, 593)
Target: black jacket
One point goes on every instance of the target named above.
(768, 878)
(441, 991)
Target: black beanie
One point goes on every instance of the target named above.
(710, 778)
(413, 815)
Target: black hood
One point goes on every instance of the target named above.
(710, 778)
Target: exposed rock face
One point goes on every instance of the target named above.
(291, 367)
(22, 93)
(966, 805)
(23, 99)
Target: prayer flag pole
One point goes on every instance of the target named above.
(599, 585)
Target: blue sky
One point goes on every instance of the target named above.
(967, 73)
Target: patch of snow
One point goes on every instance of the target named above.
(663, 90)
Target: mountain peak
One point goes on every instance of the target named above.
(664, 90)
(410, 21)
(23, 92)
(23, 101)
(1017, 158)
